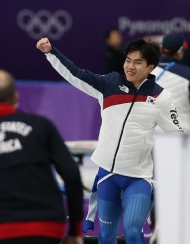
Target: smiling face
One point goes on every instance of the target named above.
(136, 69)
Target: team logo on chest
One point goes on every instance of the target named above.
(151, 100)
(124, 88)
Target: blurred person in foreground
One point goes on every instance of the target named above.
(114, 56)
(131, 107)
(175, 77)
(31, 205)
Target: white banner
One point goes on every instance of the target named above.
(172, 173)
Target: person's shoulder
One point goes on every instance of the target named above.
(183, 66)
(164, 95)
(158, 87)
(167, 94)
(114, 74)
(181, 70)
(163, 98)
(33, 118)
(29, 115)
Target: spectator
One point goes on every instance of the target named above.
(114, 57)
(31, 205)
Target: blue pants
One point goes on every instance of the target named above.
(117, 194)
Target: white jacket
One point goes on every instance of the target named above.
(129, 116)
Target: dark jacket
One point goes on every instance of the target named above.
(30, 202)
(114, 60)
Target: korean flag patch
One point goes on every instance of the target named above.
(151, 100)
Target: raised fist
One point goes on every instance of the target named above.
(44, 45)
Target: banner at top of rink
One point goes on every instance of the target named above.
(77, 28)
(157, 26)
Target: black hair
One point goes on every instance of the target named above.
(150, 51)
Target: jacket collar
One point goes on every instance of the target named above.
(167, 59)
(7, 109)
(146, 83)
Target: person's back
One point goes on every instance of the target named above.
(23, 153)
(175, 77)
(31, 205)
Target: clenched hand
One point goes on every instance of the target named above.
(44, 45)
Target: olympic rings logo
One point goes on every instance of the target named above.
(44, 23)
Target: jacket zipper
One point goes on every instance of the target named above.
(123, 129)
